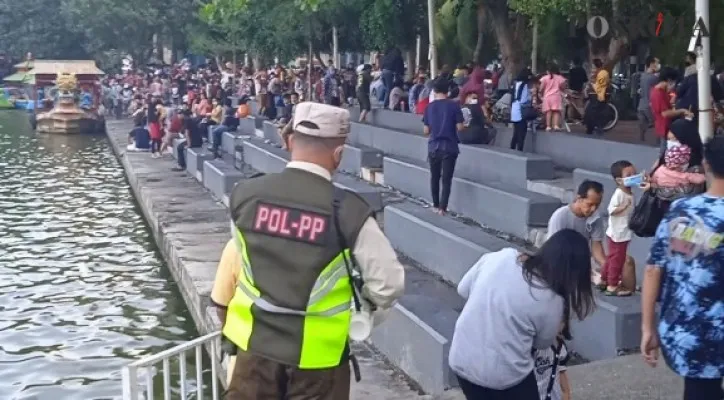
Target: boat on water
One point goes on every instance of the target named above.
(68, 116)
(66, 97)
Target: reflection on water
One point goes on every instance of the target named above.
(82, 289)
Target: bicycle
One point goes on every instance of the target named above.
(610, 112)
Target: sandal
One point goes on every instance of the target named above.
(618, 292)
(601, 287)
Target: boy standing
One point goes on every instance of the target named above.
(618, 233)
(687, 265)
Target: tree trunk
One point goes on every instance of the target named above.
(482, 24)
(319, 58)
(509, 34)
(616, 45)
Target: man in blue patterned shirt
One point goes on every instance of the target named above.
(686, 266)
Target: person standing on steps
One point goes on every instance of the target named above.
(443, 119)
(302, 251)
(686, 271)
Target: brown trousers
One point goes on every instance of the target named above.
(257, 378)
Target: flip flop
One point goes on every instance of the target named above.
(618, 293)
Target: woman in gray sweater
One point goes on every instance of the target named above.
(515, 303)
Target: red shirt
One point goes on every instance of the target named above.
(660, 101)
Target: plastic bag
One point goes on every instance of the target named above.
(647, 215)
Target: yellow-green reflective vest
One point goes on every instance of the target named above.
(293, 297)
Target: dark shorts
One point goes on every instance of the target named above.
(364, 103)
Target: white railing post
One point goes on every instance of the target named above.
(130, 382)
(131, 388)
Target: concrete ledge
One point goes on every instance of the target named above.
(429, 238)
(389, 141)
(406, 122)
(580, 150)
(480, 162)
(357, 157)
(502, 207)
(415, 348)
(613, 329)
(269, 159)
(259, 121)
(271, 133)
(228, 142)
(247, 126)
(220, 178)
(195, 158)
(263, 157)
(477, 163)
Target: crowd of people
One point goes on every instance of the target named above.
(505, 345)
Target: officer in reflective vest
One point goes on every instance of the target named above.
(282, 289)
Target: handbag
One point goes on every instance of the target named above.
(528, 112)
(647, 215)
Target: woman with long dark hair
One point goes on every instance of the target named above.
(517, 303)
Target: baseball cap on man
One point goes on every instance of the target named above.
(321, 120)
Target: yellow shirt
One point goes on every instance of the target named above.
(601, 84)
(216, 114)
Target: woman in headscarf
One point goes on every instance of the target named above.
(679, 172)
(475, 84)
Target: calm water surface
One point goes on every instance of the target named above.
(82, 289)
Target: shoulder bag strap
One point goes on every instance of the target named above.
(554, 369)
(350, 262)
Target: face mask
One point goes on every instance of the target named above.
(473, 101)
(670, 144)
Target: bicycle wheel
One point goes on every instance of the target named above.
(610, 117)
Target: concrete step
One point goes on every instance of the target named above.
(581, 150)
(417, 333)
(220, 176)
(268, 158)
(561, 187)
(271, 133)
(612, 330)
(405, 122)
(357, 157)
(195, 159)
(229, 141)
(499, 206)
(476, 162)
(445, 246)
(247, 126)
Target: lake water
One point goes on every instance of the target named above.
(82, 288)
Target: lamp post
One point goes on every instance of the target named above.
(432, 55)
(703, 69)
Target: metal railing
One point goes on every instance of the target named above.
(133, 389)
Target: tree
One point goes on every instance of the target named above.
(39, 27)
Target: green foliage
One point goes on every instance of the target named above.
(39, 27)
(387, 23)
